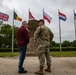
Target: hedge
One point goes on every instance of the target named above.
(51, 49)
(63, 49)
(8, 50)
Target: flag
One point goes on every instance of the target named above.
(62, 16)
(46, 17)
(4, 17)
(16, 17)
(74, 16)
(31, 16)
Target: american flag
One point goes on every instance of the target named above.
(4, 17)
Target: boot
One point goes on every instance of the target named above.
(24, 71)
(48, 69)
(40, 71)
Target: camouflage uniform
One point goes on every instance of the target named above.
(43, 36)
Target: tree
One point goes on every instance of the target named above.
(57, 44)
(53, 43)
(65, 43)
(73, 43)
(1, 23)
(6, 36)
(15, 37)
(6, 32)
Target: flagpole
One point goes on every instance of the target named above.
(13, 32)
(28, 21)
(43, 13)
(28, 14)
(1, 24)
(74, 23)
(59, 32)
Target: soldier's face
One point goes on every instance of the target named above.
(40, 23)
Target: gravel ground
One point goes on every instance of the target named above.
(60, 66)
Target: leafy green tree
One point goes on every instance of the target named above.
(15, 37)
(73, 43)
(57, 45)
(1, 22)
(6, 36)
(65, 43)
(6, 32)
(53, 43)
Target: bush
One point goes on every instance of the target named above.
(55, 49)
(63, 49)
(73, 43)
(52, 49)
(8, 50)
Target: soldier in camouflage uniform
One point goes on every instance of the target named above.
(43, 36)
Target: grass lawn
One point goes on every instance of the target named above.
(8, 54)
(54, 54)
(63, 54)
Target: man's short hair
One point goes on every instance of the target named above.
(41, 20)
(24, 22)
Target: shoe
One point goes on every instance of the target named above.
(40, 71)
(48, 69)
(23, 68)
(24, 71)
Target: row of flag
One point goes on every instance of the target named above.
(5, 17)
(47, 17)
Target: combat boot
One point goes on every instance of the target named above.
(48, 69)
(40, 71)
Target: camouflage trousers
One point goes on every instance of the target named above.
(43, 53)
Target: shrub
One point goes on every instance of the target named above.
(8, 50)
(63, 49)
(51, 49)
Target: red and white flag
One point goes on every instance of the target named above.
(46, 17)
(31, 17)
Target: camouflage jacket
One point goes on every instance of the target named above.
(43, 35)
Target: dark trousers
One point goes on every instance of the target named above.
(22, 51)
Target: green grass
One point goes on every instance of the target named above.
(8, 54)
(54, 54)
(63, 54)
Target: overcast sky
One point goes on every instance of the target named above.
(50, 7)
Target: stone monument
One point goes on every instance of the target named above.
(32, 46)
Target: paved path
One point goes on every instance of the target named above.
(60, 66)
